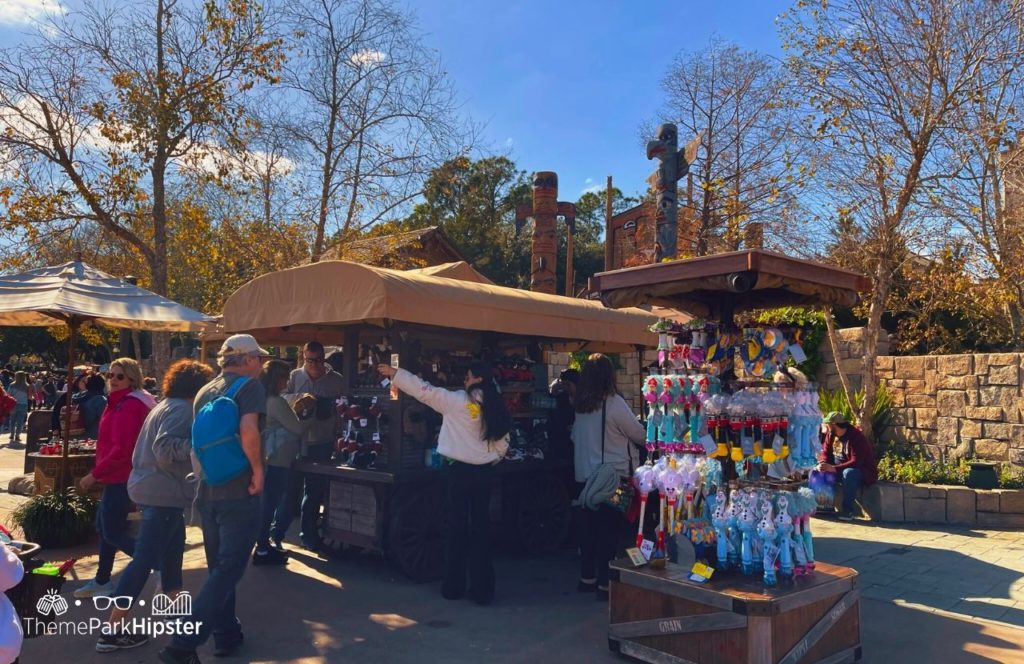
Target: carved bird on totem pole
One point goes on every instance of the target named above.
(674, 164)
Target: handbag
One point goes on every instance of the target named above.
(621, 498)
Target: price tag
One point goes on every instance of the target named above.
(385, 383)
(647, 549)
(363, 422)
(433, 368)
(636, 557)
(708, 443)
(799, 356)
(376, 437)
(701, 572)
(394, 360)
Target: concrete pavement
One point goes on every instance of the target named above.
(928, 594)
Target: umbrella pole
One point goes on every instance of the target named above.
(68, 385)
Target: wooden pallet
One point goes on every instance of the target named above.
(658, 615)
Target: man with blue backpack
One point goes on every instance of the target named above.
(226, 445)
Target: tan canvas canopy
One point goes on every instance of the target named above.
(304, 302)
(75, 291)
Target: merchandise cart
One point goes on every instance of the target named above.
(385, 492)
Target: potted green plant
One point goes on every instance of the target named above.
(57, 519)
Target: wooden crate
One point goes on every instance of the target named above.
(658, 615)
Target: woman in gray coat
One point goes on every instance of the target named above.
(160, 464)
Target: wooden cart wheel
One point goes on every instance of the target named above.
(541, 515)
(415, 543)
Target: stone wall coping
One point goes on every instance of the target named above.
(944, 504)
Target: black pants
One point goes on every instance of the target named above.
(599, 534)
(468, 548)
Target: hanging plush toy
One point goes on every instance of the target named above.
(784, 526)
(747, 526)
(650, 392)
(823, 485)
(720, 521)
(766, 533)
(666, 430)
(808, 505)
(644, 479)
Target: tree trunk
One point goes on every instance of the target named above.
(833, 340)
(161, 357)
(869, 381)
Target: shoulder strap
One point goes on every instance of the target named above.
(604, 405)
(235, 387)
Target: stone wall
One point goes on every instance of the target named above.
(851, 357)
(958, 405)
(931, 503)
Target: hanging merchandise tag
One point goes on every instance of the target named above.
(747, 445)
(701, 572)
(433, 368)
(777, 443)
(385, 383)
(636, 557)
(647, 548)
(394, 360)
(710, 446)
(799, 356)
(376, 436)
(363, 422)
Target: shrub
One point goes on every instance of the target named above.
(899, 465)
(57, 519)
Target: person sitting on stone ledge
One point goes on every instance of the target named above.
(847, 453)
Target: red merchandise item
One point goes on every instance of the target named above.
(119, 430)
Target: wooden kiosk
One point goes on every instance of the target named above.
(432, 326)
(659, 615)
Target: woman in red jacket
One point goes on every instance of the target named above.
(127, 408)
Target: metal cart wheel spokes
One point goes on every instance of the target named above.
(416, 532)
(541, 516)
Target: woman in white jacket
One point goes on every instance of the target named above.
(474, 437)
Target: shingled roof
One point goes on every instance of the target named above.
(407, 250)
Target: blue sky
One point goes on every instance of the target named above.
(564, 85)
(559, 85)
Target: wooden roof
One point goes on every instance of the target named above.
(716, 286)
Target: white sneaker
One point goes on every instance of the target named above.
(93, 589)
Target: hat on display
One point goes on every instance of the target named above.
(241, 344)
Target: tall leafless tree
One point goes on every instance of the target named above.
(747, 168)
(884, 79)
(375, 111)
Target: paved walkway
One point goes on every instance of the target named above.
(944, 595)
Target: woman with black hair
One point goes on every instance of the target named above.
(91, 403)
(602, 432)
(474, 437)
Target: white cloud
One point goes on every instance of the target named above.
(589, 181)
(17, 12)
(365, 57)
(592, 189)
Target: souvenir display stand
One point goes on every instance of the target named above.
(385, 492)
(731, 445)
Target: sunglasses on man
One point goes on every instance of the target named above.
(313, 360)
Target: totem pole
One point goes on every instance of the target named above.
(544, 211)
(674, 165)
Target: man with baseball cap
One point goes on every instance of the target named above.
(231, 511)
(848, 454)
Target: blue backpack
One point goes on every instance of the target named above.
(215, 438)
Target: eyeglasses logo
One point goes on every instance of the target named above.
(103, 602)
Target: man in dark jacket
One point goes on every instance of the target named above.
(848, 454)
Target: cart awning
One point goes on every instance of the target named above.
(739, 280)
(304, 302)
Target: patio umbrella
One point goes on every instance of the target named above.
(74, 293)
